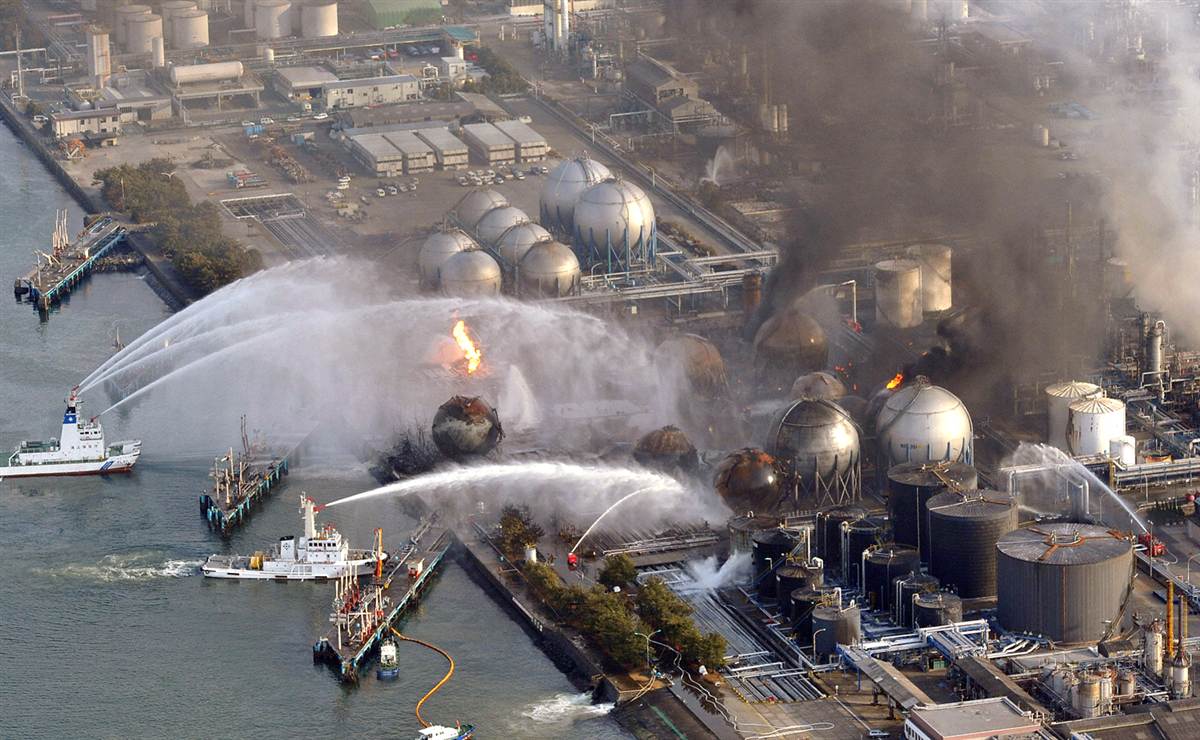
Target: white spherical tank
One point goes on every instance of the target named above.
(125, 13)
(515, 242)
(898, 293)
(142, 30)
(272, 19)
(470, 274)
(472, 207)
(923, 423)
(168, 10)
(548, 270)
(439, 247)
(190, 30)
(1092, 423)
(563, 187)
(1059, 398)
(214, 72)
(1123, 449)
(318, 20)
(497, 221)
(936, 263)
(614, 218)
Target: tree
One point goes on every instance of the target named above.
(517, 531)
(618, 570)
(613, 627)
(658, 604)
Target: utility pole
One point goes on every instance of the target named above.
(20, 76)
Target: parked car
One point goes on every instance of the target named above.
(293, 118)
(519, 175)
(380, 192)
(244, 123)
(266, 121)
(320, 116)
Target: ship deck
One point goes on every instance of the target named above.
(48, 284)
(265, 471)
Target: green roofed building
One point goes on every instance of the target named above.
(384, 13)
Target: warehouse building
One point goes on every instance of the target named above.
(371, 91)
(298, 83)
(418, 157)
(449, 151)
(970, 720)
(489, 144)
(378, 155)
(530, 145)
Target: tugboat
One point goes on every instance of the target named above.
(319, 555)
(79, 451)
(389, 665)
(440, 732)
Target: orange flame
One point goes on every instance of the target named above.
(470, 352)
(895, 382)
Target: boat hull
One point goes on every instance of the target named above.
(119, 464)
(297, 572)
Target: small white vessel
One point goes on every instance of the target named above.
(440, 732)
(319, 555)
(389, 664)
(80, 450)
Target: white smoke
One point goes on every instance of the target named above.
(707, 574)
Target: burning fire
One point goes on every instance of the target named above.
(892, 385)
(470, 352)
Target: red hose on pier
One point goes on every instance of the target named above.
(439, 684)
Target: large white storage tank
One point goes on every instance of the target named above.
(168, 10)
(318, 20)
(564, 185)
(614, 222)
(142, 30)
(439, 247)
(548, 270)
(470, 274)
(1092, 423)
(923, 423)
(124, 14)
(272, 19)
(476, 204)
(935, 261)
(1059, 398)
(214, 72)
(497, 221)
(898, 293)
(190, 30)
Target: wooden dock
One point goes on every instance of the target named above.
(364, 610)
(59, 271)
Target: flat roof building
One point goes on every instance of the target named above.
(418, 157)
(378, 155)
(298, 82)
(449, 151)
(530, 145)
(489, 144)
(371, 91)
(970, 720)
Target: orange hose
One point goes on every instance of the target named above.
(439, 684)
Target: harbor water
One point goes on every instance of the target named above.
(108, 628)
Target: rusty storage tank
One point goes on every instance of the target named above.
(937, 609)
(820, 385)
(667, 449)
(833, 626)
(803, 602)
(857, 537)
(963, 532)
(905, 589)
(466, 426)
(1062, 580)
(829, 533)
(789, 344)
(817, 443)
(794, 576)
(748, 480)
(910, 486)
(742, 529)
(770, 549)
(695, 360)
(883, 565)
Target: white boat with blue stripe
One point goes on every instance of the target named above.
(80, 450)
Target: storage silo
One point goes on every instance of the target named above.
(749, 480)
(963, 532)
(905, 590)
(771, 549)
(475, 204)
(439, 247)
(817, 443)
(121, 24)
(793, 576)
(190, 30)
(910, 486)
(272, 19)
(858, 537)
(829, 524)
(470, 274)
(168, 10)
(743, 527)
(515, 242)
(923, 423)
(935, 261)
(562, 189)
(319, 20)
(1092, 423)
(1065, 581)
(937, 609)
(898, 293)
(141, 32)
(614, 225)
(833, 626)
(1059, 398)
(495, 222)
(884, 564)
(803, 602)
(548, 270)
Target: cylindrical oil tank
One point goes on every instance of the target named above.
(789, 344)
(272, 19)
(215, 72)
(694, 360)
(937, 609)
(857, 537)
(248, 13)
(466, 427)
(477, 203)
(1092, 423)
(1059, 398)
(793, 576)
(439, 247)
(1153, 644)
(495, 222)
(1126, 683)
(803, 602)
(833, 626)
(923, 423)
(904, 590)
(141, 32)
(935, 261)
(190, 30)
(1087, 695)
(318, 20)
(829, 534)
(614, 219)
(268, 54)
(963, 532)
(748, 480)
(168, 10)
(126, 13)
(910, 487)
(743, 527)
(470, 274)
(884, 564)
(1064, 581)
(515, 242)
(771, 548)
(817, 443)
(819, 385)
(562, 189)
(548, 270)
(898, 293)
(667, 449)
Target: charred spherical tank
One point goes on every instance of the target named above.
(817, 444)
(789, 344)
(667, 449)
(696, 361)
(749, 480)
(466, 426)
(819, 385)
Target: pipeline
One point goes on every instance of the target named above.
(439, 684)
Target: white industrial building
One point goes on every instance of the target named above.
(452, 68)
(371, 91)
(530, 145)
(449, 151)
(298, 83)
(377, 154)
(489, 144)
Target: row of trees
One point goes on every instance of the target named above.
(189, 234)
(502, 77)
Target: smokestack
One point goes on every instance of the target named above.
(160, 55)
(1170, 619)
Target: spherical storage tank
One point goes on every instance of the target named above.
(466, 427)
(1062, 580)
(476, 203)
(1092, 423)
(695, 360)
(318, 20)
(1059, 398)
(470, 274)
(272, 19)
(190, 30)
(910, 486)
(614, 220)
(749, 480)
(563, 187)
(125, 14)
(923, 423)
(898, 293)
(789, 344)
(819, 385)
(141, 32)
(667, 449)
(935, 261)
(963, 532)
(515, 242)
(439, 247)
(548, 270)
(495, 222)
(818, 445)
